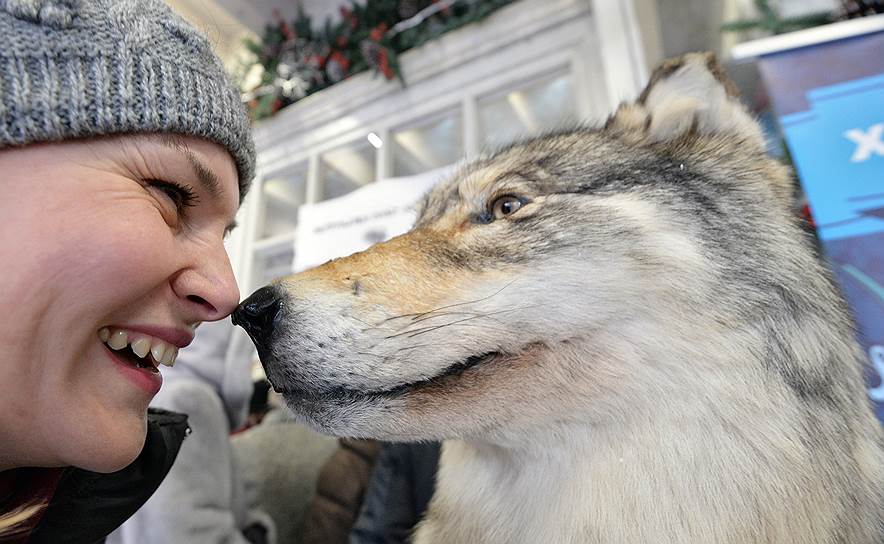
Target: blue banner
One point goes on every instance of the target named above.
(838, 150)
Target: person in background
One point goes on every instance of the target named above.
(211, 383)
(124, 156)
(259, 405)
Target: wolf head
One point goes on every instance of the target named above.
(589, 275)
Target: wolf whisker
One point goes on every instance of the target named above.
(368, 326)
(414, 332)
(483, 299)
(370, 353)
(418, 315)
(419, 320)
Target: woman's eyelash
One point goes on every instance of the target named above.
(182, 195)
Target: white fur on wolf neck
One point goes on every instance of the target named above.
(578, 482)
(674, 424)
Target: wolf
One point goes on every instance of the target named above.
(621, 333)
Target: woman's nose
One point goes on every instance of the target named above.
(208, 286)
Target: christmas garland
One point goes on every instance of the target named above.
(769, 20)
(296, 59)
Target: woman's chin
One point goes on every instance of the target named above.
(112, 463)
(111, 448)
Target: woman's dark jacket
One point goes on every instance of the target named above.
(87, 506)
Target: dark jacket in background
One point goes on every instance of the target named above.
(400, 488)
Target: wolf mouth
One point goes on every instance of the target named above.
(344, 393)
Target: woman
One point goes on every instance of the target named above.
(124, 156)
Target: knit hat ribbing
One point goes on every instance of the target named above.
(80, 68)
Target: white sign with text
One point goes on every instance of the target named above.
(374, 213)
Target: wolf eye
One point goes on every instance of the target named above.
(505, 205)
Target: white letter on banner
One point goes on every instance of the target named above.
(866, 142)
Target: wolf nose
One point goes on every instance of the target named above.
(257, 314)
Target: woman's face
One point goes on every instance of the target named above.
(120, 236)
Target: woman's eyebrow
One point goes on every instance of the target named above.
(203, 173)
(206, 176)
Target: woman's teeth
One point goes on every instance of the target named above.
(161, 352)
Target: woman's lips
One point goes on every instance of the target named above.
(146, 379)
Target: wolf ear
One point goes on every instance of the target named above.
(687, 95)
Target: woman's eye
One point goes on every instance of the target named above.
(182, 196)
(505, 205)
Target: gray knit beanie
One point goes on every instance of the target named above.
(79, 68)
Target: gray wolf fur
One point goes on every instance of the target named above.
(620, 333)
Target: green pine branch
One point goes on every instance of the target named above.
(770, 21)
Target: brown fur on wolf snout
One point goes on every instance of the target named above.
(645, 349)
